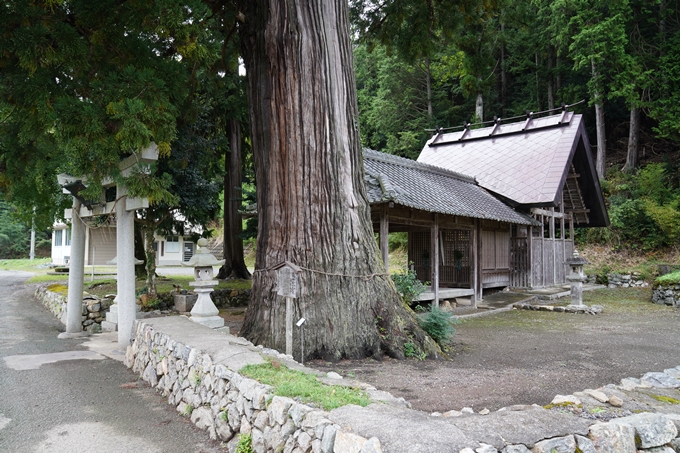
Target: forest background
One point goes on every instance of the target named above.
(418, 65)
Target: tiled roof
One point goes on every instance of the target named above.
(429, 188)
(523, 162)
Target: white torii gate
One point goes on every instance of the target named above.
(125, 208)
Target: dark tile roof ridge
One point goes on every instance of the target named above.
(405, 162)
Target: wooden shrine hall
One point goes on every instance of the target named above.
(490, 207)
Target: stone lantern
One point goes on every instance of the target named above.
(204, 312)
(576, 277)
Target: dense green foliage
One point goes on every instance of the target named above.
(438, 324)
(644, 209)
(408, 285)
(15, 237)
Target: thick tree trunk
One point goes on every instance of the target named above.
(140, 253)
(551, 93)
(504, 80)
(633, 134)
(538, 82)
(600, 161)
(150, 260)
(234, 264)
(312, 205)
(428, 82)
(479, 107)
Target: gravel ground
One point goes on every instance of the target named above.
(527, 357)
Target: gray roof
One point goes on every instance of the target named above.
(429, 188)
(526, 162)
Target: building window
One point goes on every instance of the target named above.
(172, 244)
(57, 238)
(67, 236)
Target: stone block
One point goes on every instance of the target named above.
(348, 443)
(661, 380)
(613, 438)
(185, 302)
(651, 430)
(520, 448)
(565, 444)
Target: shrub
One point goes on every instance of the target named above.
(438, 324)
(408, 285)
(669, 279)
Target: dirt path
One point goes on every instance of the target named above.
(526, 357)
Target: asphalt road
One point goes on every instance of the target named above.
(58, 396)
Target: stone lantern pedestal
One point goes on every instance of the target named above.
(204, 312)
(576, 278)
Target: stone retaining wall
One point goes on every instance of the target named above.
(93, 308)
(626, 280)
(666, 295)
(224, 403)
(224, 298)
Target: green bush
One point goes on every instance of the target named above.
(408, 285)
(644, 209)
(438, 324)
(669, 279)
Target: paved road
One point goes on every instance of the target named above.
(58, 396)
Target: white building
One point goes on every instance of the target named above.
(100, 246)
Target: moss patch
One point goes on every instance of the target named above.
(666, 399)
(306, 387)
(58, 288)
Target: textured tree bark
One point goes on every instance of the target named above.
(633, 134)
(551, 94)
(428, 85)
(601, 159)
(312, 205)
(234, 265)
(479, 107)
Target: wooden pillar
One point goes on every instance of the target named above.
(434, 262)
(542, 250)
(384, 236)
(554, 250)
(530, 256)
(563, 235)
(476, 264)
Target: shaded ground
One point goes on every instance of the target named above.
(526, 357)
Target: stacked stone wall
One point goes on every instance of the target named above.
(224, 403)
(632, 280)
(224, 298)
(93, 308)
(667, 295)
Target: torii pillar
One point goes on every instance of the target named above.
(74, 301)
(125, 208)
(125, 254)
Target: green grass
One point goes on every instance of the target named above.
(42, 278)
(669, 279)
(296, 384)
(630, 302)
(24, 265)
